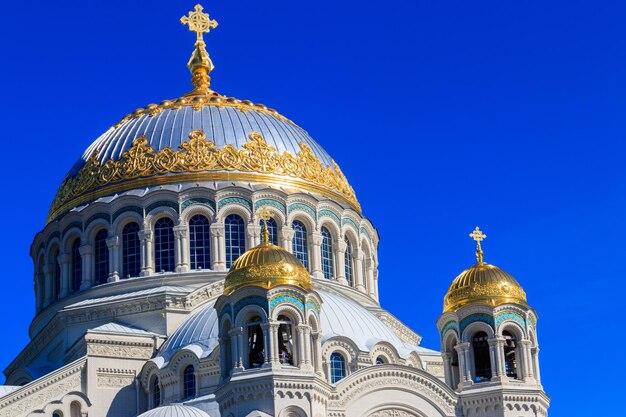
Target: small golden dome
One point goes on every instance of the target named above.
(266, 266)
(483, 284)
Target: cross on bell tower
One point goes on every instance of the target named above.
(200, 63)
(478, 236)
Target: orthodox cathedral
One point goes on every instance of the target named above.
(206, 257)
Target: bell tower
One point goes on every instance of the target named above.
(489, 343)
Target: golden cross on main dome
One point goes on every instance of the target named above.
(199, 22)
(478, 236)
(265, 214)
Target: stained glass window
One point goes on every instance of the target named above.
(299, 243)
(235, 238)
(131, 249)
(328, 266)
(200, 242)
(164, 245)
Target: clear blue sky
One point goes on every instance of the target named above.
(444, 115)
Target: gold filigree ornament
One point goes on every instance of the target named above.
(199, 159)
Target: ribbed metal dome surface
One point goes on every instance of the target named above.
(175, 410)
(222, 125)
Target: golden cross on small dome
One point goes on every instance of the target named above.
(478, 236)
(199, 22)
(265, 214)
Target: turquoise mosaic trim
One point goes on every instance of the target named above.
(162, 203)
(330, 214)
(134, 209)
(485, 318)
(366, 233)
(532, 321)
(254, 300)
(203, 201)
(511, 316)
(450, 325)
(301, 207)
(234, 200)
(78, 225)
(97, 216)
(270, 202)
(286, 299)
(350, 222)
(310, 305)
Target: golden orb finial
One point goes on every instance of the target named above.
(265, 214)
(478, 236)
(200, 63)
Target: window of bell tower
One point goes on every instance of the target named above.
(256, 343)
(510, 354)
(482, 362)
(286, 345)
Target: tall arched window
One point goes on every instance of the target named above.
(349, 264)
(328, 265)
(299, 243)
(482, 362)
(199, 242)
(101, 257)
(337, 367)
(189, 382)
(156, 392)
(286, 340)
(256, 343)
(272, 227)
(235, 236)
(76, 268)
(56, 270)
(510, 354)
(164, 245)
(131, 249)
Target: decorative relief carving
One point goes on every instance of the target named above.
(119, 349)
(114, 378)
(196, 155)
(392, 412)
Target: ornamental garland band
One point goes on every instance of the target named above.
(196, 155)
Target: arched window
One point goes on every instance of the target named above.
(200, 242)
(328, 265)
(256, 343)
(56, 271)
(235, 236)
(482, 363)
(75, 409)
(101, 257)
(156, 392)
(349, 264)
(76, 268)
(337, 367)
(299, 243)
(272, 227)
(510, 354)
(189, 382)
(164, 245)
(57, 414)
(381, 360)
(130, 251)
(286, 340)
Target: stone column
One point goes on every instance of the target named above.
(340, 261)
(48, 284)
(358, 270)
(316, 254)
(536, 365)
(317, 352)
(234, 345)
(240, 348)
(527, 360)
(499, 359)
(147, 265)
(286, 236)
(301, 348)
(464, 366)
(86, 254)
(64, 261)
(447, 372)
(113, 244)
(493, 357)
(218, 247)
(376, 284)
(275, 360)
(370, 281)
(181, 248)
(253, 232)
(267, 341)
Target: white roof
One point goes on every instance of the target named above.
(7, 389)
(175, 410)
(131, 295)
(118, 328)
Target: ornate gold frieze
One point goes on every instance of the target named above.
(197, 156)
